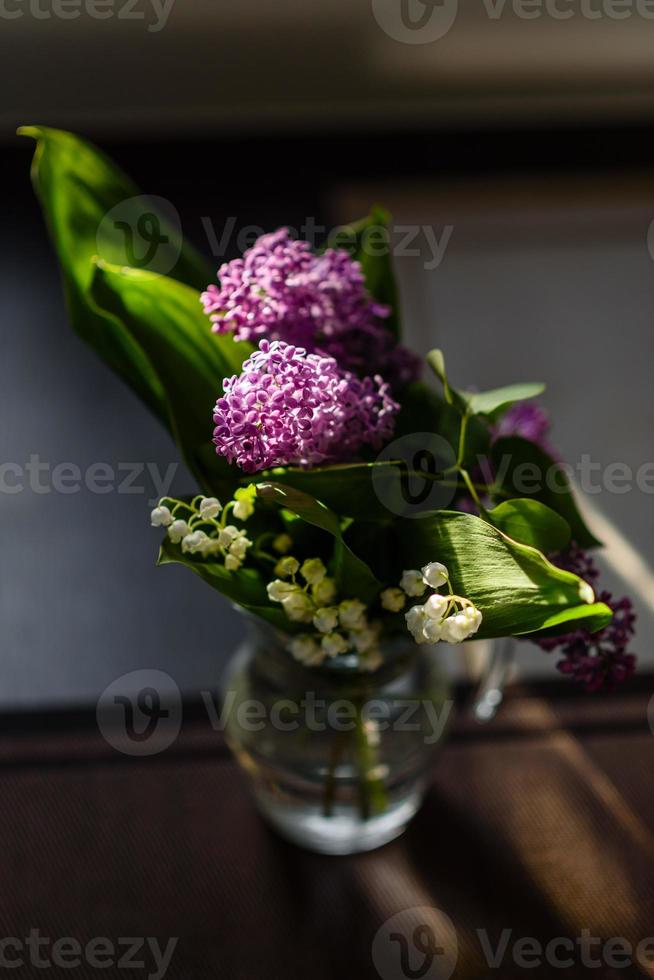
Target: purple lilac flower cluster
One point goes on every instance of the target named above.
(528, 420)
(596, 660)
(281, 290)
(289, 406)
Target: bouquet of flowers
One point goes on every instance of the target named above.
(342, 499)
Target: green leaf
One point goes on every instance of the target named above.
(493, 403)
(592, 617)
(78, 186)
(368, 241)
(165, 319)
(245, 586)
(436, 361)
(487, 403)
(516, 588)
(523, 469)
(531, 522)
(354, 577)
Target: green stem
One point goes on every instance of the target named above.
(372, 792)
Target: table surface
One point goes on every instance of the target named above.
(539, 823)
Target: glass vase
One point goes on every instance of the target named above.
(338, 760)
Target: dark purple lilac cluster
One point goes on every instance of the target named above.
(596, 660)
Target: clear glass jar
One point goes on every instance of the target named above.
(338, 759)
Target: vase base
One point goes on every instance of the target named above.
(343, 832)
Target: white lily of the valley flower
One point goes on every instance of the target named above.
(435, 574)
(227, 535)
(178, 530)
(326, 620)
(239, 547)
(298, 607)
(232, 563)
(278, 590)
(436, 606)
(324, 591)
(351, 614)
(244, 506)
(313, 571)
(432, 630)
(334, 643)
(210, 507)
(455, 629)
(306, 650)
(161, 517)
(415, 621)
(287, 566)
(412, 582)
(474, 617)
(393, 599)
(195, 542)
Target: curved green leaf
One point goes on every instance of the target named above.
(517, 589)
(488, 403)
(523, 469)
(166, 319)
(531, 522)
(78, 186)
(245, 586)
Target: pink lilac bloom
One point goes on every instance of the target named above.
(291, 407)
(281, 290)
(595, 660)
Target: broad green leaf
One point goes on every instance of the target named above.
(531, 522)
(592, 618)
(165, 318)
(78, 187)
(354, 577)
(488, 403)
(523, 469)
(516, 588)
(245, 586)
(493, 403)
(368, 241)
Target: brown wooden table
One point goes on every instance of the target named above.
(539, 823)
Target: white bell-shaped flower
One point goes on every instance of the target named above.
(435, 574)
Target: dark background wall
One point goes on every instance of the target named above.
(543, 176)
